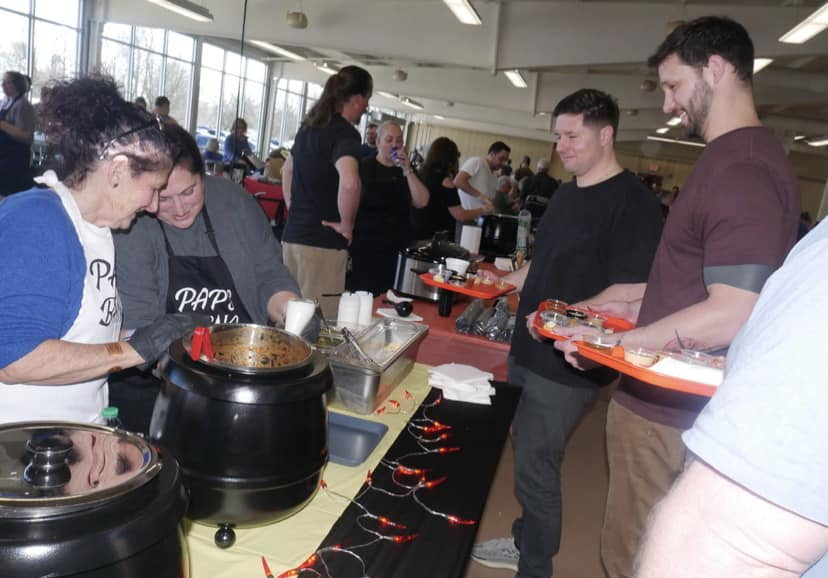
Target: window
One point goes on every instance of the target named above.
(230, 86)
(40, 38)
(150, 62)
(292, 99)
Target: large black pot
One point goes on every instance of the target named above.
(252, 444)
(499, 235)
(88, 501)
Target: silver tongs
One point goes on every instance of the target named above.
(354, 345)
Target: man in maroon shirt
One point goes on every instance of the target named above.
(729, 230)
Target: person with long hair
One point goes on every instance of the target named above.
(17, 124)
(390, 188)
(60, 322)
(209, 237)
(443, 211)
(322, 187)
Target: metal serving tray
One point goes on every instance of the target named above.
(392, 344)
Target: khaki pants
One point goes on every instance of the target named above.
(645, 458)
(318, 271)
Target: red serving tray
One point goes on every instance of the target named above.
(614, 323)
(615, 360)
(479, 291)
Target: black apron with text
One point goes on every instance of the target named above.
(15, 158)
(203, 285)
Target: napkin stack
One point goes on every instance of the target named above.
(690, 371)
(462, 383)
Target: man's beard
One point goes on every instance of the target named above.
(698, 109)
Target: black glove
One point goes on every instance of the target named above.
(153, 340)
(311, 331)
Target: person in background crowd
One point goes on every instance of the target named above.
(321, 185)
(162, 109)
(524, 170)
(541, 184)
(751, 502)
(443, 210)
(368, 149)
(60, 322)
(416, 158)
(390, 188)
(17, 124)
(504, 201)
(236, 144)
(731, 227)
(209, 237)
(211, 152)
(141, 102)
(667, 199)
(602, 227)
(477, 179)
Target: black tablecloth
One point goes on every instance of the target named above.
(440, 549)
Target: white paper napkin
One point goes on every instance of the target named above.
(690, 371)
(462, 383)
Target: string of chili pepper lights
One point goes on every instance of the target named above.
(427, 432)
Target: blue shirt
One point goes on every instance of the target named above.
(42, 267)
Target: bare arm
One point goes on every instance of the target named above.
(463, 182)
(466, 215)
(708, 526)
(287, 180)
(709, 324)
(56, 362)
(16, 133)
(277, 305)
(350, 188)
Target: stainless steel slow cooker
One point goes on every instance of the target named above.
(248, 427)
(88, 501)
(418, 259)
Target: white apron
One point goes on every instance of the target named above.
(98, 321)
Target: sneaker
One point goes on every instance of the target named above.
(497, 553)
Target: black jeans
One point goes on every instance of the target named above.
(546, 415)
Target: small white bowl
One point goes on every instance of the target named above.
(458, 265)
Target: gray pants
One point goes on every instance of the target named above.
(546, 415)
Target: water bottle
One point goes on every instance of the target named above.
(110, 415)
(524, 224)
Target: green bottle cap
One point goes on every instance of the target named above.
(110, 412)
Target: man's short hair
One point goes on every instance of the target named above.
(696, 41)
(543, 165)
(498, 146)
(161, 101)
(599, 108)
(502, 181)
(372, 125)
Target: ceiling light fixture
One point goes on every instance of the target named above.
(676, 141)
(387, 94)
(799, 137)
(438, 117)
(675, 121)
(808, 28)
(464, 11)
(515, 77)
(326, 69)
(760, 63)
(270, 47)
(186, 8)
(663, 130)
(297, 20)
(818, 143)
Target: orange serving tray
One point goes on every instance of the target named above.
(479, 291)
(615, 360)
(614, 323)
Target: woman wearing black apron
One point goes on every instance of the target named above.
(209, 251)
(17, 120)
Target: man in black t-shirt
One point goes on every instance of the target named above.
(602, 227)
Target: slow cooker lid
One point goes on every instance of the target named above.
(63, 464)
(436, 250)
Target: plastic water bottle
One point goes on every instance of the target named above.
(524, 224)
(110, 415)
